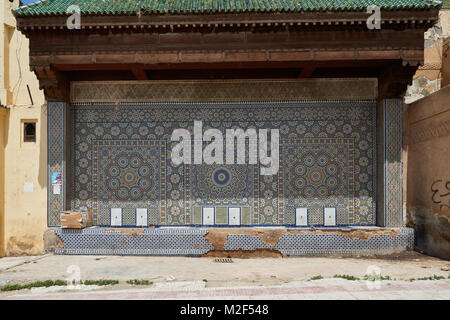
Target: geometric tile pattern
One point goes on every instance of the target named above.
(128, 217)
(56, 132)
(224, 185)
(244, 242)
(191, 242)
(318, 172)
(95, 241)
(332, 142)
(128, 174)
(393, 202)
(313, 244)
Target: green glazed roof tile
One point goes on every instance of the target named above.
(123, 7)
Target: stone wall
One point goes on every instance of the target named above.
(429, 77)
(427, 139)
(446, 63)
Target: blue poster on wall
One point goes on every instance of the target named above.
(56, 178)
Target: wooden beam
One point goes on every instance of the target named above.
(139, 73)
(307, 71)
(394, 79)
(55, 84)
(222, 65)
(280, 45)
(243, 61)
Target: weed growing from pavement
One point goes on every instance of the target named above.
(345, 276)
(205, 280)
(353, 278)
(51, 283)
(99, 282)
(139, 282)
(376, 277)
(433, 277)
(36, 284)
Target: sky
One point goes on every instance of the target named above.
(28, 1)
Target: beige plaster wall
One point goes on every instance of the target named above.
(24, 213)
(427, 139)
(15, 72)
(25, 162)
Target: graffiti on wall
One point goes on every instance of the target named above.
(441, 193)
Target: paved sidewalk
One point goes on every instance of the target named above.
(203, 278)
(12, 262)
(336, 289)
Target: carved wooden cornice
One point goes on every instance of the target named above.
(394, 80)
(54, 83)
(224, 90)
(139, 43)
(79, 47)
(424, 18)
(409, 57)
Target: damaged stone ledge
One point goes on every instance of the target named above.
(270, 236)
(278, 242)
(231, 242)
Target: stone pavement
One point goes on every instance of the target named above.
(203, 278)
(335, 289)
